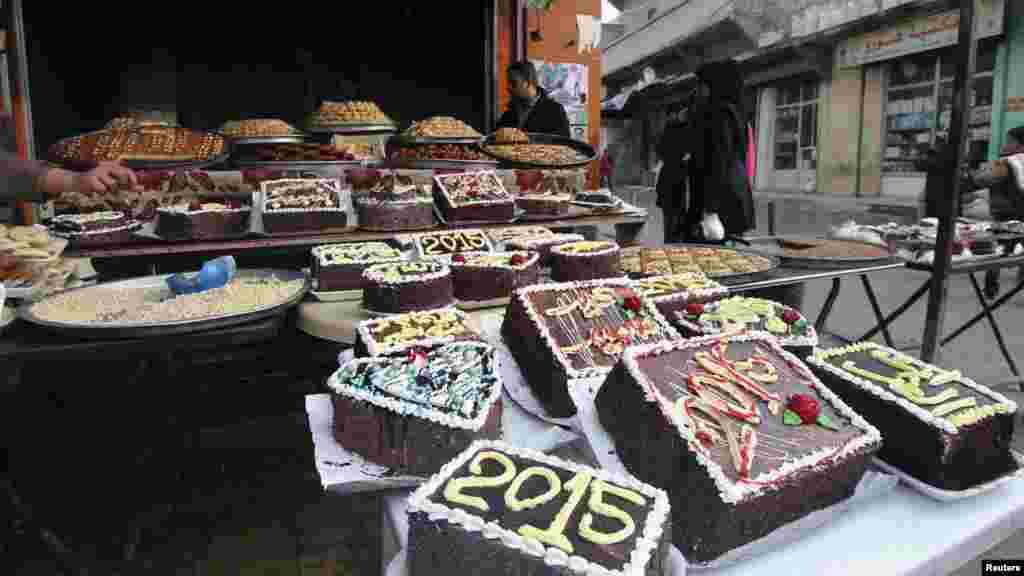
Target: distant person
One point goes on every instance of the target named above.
(531, 109)
(673, 149)
(1007, 202)
(607, 164)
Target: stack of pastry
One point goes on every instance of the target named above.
(28, 255)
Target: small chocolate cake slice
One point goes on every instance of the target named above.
(741, 314)
(940, 426)
(585, 260)
(413, 413)
(394, 334)
(203, 220)
(485, 276)
(542, 244)
(559, 333)
(407, 286)
(95, 229)
(394, 203)
(746, 438)
(501, 510)
(473, 197)
(674, 291)
(341, 266)
(302, 205)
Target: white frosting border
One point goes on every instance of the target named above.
(728, 490)
(541, 241)
(613, 247)
(405, 408)
(322, 251)
(131, 225)
(508, 199)
(819, 359)
(418, 240)
(376, 348)
(572, 373)
(810, 339)
(90, 217)
(531, 259)
(442, 271)
(187, 212)
(333, 183)
(646, 545)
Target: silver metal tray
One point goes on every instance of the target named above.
(297, 138)
(115, 330)
(769, 246)
(441, 164)
(353, 129)
(178, 164)
(304, 164)
(774, 262)
(950, 495)
(403, 140)
(581, 147)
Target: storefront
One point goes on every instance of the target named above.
(899, 83)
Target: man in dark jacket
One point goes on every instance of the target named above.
(531, 109)
(673, 147)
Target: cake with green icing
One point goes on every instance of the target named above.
(939, 426)
(740, 314)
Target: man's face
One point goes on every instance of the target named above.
(519, 88)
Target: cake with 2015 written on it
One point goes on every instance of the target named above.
(487, 276)
(473, 197)
(585, 260)
(399, 287)
(747, 438)
(443, 244)
(498, 509)
(341, 266)
(559, 333)
(302, 205)
(414, 412)
(391, 335)
(940, 426)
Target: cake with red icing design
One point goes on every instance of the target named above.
(391, 335)
(741, 314)
(341, 266)
(486, 276)
(559, 333)
(473, 197)
(200, 219)
(940, 427)
(675, 291)
(747, 438)
(399, 287)
(506, 511)
(413, 412)
(542, 244)
(585, 260)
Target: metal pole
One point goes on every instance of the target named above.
(958, 129)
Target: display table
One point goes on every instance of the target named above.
(899, 533)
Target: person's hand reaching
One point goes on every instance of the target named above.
(106, 178)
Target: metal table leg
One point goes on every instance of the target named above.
(826, 308)
(870, 291)
(986, 311)
(898, 312)
(993, 306)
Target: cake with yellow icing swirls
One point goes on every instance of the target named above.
(585, 260)
(397, 287)
(740, 314)
(391, 335)
(939, 426)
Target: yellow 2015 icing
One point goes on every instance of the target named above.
(453, 489)
(554, 535)
(598, 488)
(512, 501)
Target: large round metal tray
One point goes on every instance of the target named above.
(403, 140)
(581, 147)
(141, 330)
(305, 164)
(353, 129)
(440, 164)
(770, 246)
(297, 138)
(738, 275)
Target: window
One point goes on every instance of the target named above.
(796, 125)
(919, 104)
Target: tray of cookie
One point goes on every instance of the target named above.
(260, 131)
(440, 130)
(297, 156)
(514, 148)
(349, 117)
(715, 262)
(144, 147)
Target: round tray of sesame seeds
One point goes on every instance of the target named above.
(145, 307)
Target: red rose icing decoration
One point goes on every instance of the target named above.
(518, 259)
(695, 309)
(458, 258)
(790, 316)
(632, 303)
(805, 406)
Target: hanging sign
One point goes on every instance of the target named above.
(919, 35)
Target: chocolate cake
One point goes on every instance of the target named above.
(559, 333)
(408, 286)
(747, 438)
(394, 203)
(680, 289)
(501, 510)
(539, 204)
(443, 244)
(940, 426)
(415, 412)
(392, 335)
(486, 276)
(302, 205)
(542, 244)
(95, 229)
(203, 220)
(585, 260)
(473, 197)
(499, 235)
(341, 266)
(740, 314)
